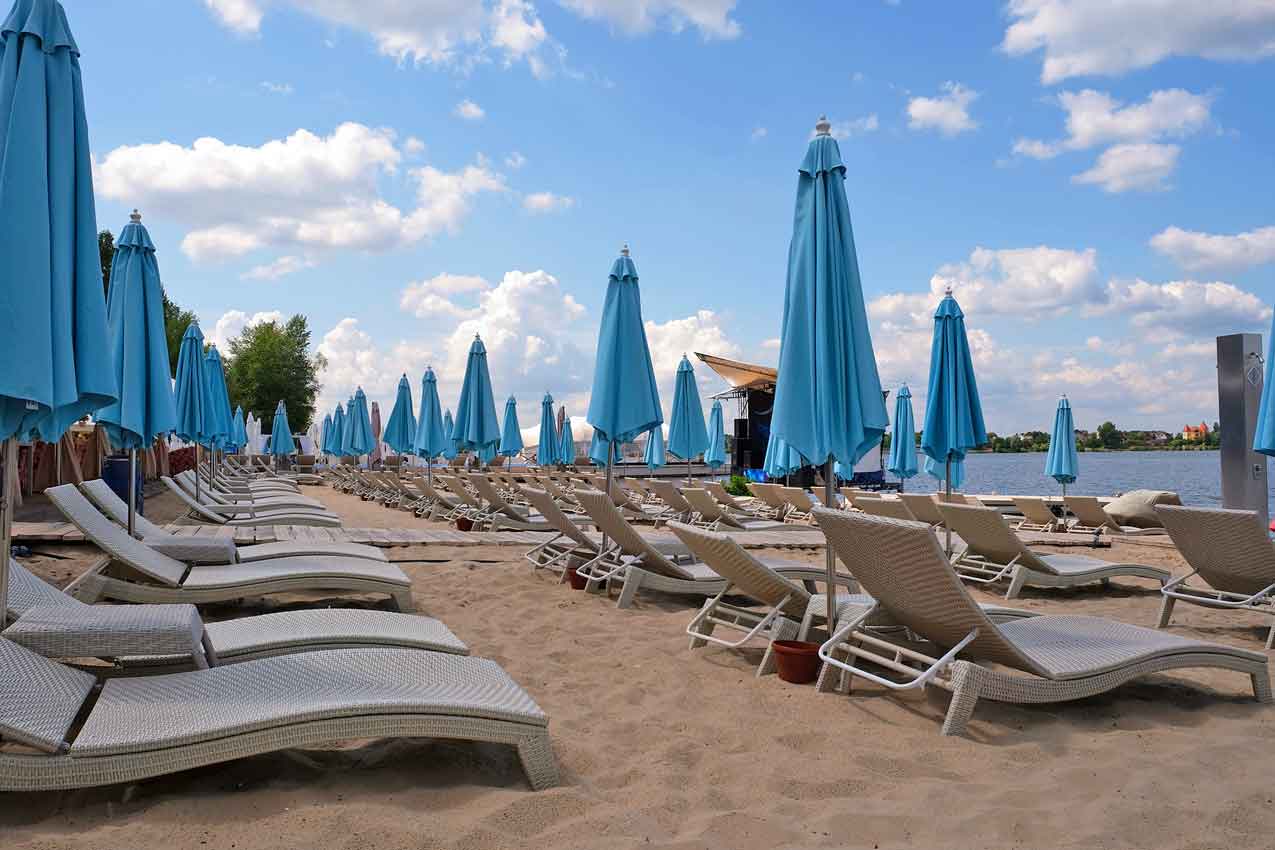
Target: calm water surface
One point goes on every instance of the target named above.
(1196, 476)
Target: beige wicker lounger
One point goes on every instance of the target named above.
(222, 502)
(154, 638)
(502, 514)
(710, 514)
(799, 504)
(150, 576)
(877, 506)
(923, 506)
(140, 727)
(993, 552)
(1036, 515)
(772, 506)
(730, 501)
(1230, 551)
(635, 561)
(215, 517)
(216, 550)
(1092, 517)
(1064, 658)
(673, 504)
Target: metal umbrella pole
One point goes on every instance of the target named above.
(830, 558)
(8, 461)
(947, 486)
(196, 471)
(132, 492)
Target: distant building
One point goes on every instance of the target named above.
(1195, 433)
(1158, 438)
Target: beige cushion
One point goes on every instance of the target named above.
(1137, 508)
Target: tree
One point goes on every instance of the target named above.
(1109, 436)
(106, 250)
(269, 362)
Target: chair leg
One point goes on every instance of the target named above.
(1166, 612)
(784, 629)
(632, 579)
(705, 628)
(1262, 686)
(1016, 584)
(964, 698)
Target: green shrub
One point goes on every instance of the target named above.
(738, 486)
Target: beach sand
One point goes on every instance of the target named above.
(663, 747)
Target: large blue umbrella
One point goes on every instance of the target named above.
(942, 472)
(431, 438)
(828, 401)
(1063, 462)
(599, 449)
(476, 428)
(687, 433)
(547, 443)
(654, 456)
(333, 444)
(715, 455)
(567, 443)
(219, 421)
(902, 461)
(400, 430)
(135, 318)
(238, 430)
(953, 413)
(358, 423)
(624, 401)
(53, 332)
(281, 443)
(325, 433)
(191, 387)
(510, 433)
(1264, 439)
(449, 441)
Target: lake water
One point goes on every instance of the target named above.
(1195, 476)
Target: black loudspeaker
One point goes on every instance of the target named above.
(760, 405)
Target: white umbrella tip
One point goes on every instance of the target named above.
(823, 127)
(624, 250)
(135, 217)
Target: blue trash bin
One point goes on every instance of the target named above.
(115, 474)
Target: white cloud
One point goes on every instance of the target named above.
(947, 113)
(1088, 37)
(277, 88)
(772, 343)
(855, 126)
(711, 17)
(469, 110)
(668, 341)
(306, 191)
(758, 134)
(413, 146)
(242, 16)
(519, 33)
(233, 322)
(279, 267)
(429, 299)
(1095, 118)
(547, 202)
(1178, 309)
(1142, 166)
(515, 161)
(1195, 250)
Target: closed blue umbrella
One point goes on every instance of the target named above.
(941, 472)
(400, 430)
(780, 456)
(449, 441)
(1063, 462)
(828, 401)
(239, 429)
(510, 433)
(625, 400)
(654, 456)
(715, 456)
(953, 412)
(359, 440)
(191, 387)
(281, 443)
(687, 434)
(547, 443)
(902, 461)
(431, 438)
(599, 449)
(139, 348)
(325, 433)
(476, 428)
(333, 445)
(346, 427)
(1264, 439)
(218, 418)
(567, 443)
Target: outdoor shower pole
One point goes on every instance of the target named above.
(830, 559)
(132, 491)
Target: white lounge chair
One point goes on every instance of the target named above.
(877, 506)
(1036, 515)
(708, 513)
(233, 517)
(1050, 658)
(1093, 518)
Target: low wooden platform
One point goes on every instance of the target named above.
(46, 532)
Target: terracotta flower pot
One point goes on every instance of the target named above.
(464, 524)
(798, 660)
(578, 582)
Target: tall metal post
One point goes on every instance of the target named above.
(1239, 394)
(8, 462)
(830, 557)
(947, 486)
(132, 492)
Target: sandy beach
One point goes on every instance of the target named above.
(663, 747)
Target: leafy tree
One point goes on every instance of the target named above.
(106, 250)
(269, 362)
(1109, 436)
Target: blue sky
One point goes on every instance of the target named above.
(1094, 183)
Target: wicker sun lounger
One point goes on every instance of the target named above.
(216, 550)
(674, 505)
(1036, 515)
(154, 638)
(1093, 518)
(729, 501)
(709, 513)
(502, 514)
(135, 728)
(923, 506)
(993, 552)
(799, 504)
(221, 515)
(877, 506)
(1051, 658)
(1228, 550)
(772, 505)
(138, 573)
(213, 495)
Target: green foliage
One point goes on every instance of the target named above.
(738, 486)
(269, 362)
(106, 250)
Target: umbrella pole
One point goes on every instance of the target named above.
(8, 460)
(610, 451)
(947, 485)
(57, 454)
(830, 558)
(196, 472)
(132, 492)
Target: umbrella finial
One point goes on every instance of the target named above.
(624, 251)
(823, 127)
(947, 290)
(135, 217)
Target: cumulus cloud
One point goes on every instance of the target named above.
(303, 191)
(855, 126)
(469, 110)
(1090, 37)
(948, 113)
(432, 298)
(1195, 250)
(547, 202)
(712, 18)
(1143, 167)
(1185, 308)
(277, 268)
(704, 331)
(233, 322)
(1095, 118)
